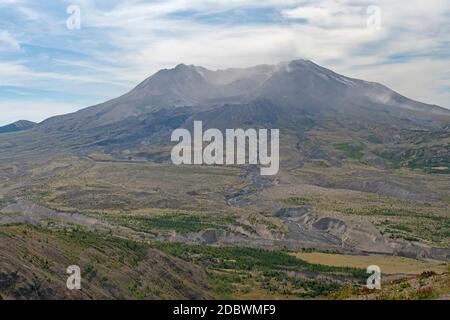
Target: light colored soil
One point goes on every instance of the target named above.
(388, 264)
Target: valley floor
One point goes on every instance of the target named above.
(143, 230)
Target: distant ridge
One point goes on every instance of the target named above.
(18, 126)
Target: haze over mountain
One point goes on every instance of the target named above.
(295, 96)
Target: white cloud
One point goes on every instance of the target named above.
(16, 74)
(314, 15)
(8, 42)
(36, 111)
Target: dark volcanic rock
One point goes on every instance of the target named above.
(327, 224)
(292, 212)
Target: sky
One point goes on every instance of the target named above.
(60, 56)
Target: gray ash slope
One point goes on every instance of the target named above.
(295, 96)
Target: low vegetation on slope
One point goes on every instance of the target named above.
(426, 286)
(236, 272)
(34, 262)
(179, 222)
(431, 159)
